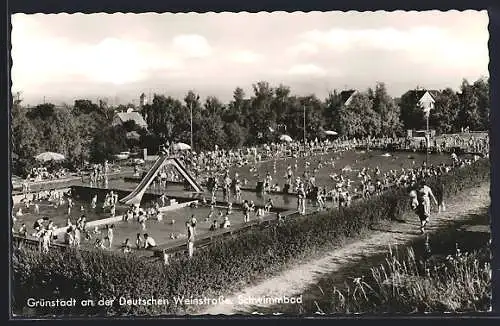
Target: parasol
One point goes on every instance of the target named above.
(286, 138)
(181, 147)
(49, 156)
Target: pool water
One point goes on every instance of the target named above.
(59, 215)
(355, 160)
(161, 231)
(279, 200)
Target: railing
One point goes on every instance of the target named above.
(19, 241)
(208, 239)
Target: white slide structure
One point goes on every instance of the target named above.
(135, 197)
(182, 170)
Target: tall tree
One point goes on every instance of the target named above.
(261, 117)
(314, 117)
(235, 109)
(469, 115)
(210, 134)
(167, 118)
(280, 104)
(25, 140)
(412, 116)
(235, 135)
(213, 106)
(444, 117)
(85, 107)
(482, 91)
(108, 143)
(332, 111)
(388, 111)
(358, 118)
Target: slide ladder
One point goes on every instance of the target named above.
(182, 170)
(135, 197)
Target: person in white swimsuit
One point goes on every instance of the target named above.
(424, 195)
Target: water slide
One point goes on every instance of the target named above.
(136, 195)
(182, 170)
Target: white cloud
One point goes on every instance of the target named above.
(192, 45)
(307, 70)
(303, 48)
(245, 56)
(420, 44)
(54, 54)
(111, 60)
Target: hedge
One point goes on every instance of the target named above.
(225, 266)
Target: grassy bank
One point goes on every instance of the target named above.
(458, 283)
(223, 267)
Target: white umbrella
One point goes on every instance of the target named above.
(181, 147)
(331, 133)
(50, 156)
(286, 138)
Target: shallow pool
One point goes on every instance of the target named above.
(173, 223)
(59, 215)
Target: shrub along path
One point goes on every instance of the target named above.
(296, 279)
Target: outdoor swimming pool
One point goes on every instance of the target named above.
(162, 231)
(354, 160)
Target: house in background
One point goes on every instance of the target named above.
(425, 99)
(347, 96)
(122, 117)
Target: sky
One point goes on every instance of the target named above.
(62, 57)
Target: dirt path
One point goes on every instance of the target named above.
(295, 280)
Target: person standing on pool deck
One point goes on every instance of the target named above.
(70, 204)
(424, 195)
(193, 222)
(246, 212)
(110, 234)
(138, 241)
(93, 202)
(190, 239)
(302, 193)
(142, 220)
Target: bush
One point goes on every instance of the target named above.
(224, 266)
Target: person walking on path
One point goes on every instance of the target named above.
(424, 195)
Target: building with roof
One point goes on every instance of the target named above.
(347, 96)
(122, 117)
(425, 99)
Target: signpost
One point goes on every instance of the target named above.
(427, 110)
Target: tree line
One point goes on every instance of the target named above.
(84, 131)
